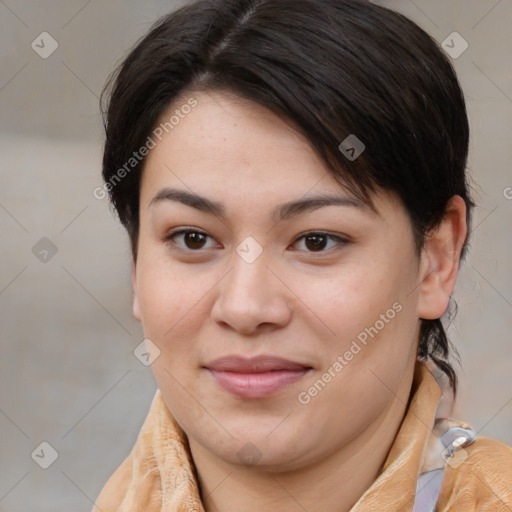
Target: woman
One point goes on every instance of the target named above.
(292, 178)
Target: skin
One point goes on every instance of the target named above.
(291, 302)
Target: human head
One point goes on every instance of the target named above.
(331, 68)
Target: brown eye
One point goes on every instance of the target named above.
(316, 242)
(191, 239)
(194, 240)
(319, 242)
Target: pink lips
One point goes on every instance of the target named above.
(256, 377)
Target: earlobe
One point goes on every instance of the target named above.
(440, 261)
(136, 307)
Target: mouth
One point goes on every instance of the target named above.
(257, 377)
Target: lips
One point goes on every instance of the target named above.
(257, 377)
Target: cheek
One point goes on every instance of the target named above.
(370, 315)
(172, 312)
(352, 300)
(169, 297)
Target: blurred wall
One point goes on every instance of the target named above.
(69, 377)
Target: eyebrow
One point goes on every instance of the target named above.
(282, 211)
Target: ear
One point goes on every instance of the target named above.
(136, 307)
(439, 263)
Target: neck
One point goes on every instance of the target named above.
(334, 483)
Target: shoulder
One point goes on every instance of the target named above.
(479, 475)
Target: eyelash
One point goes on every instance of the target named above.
(183, 231)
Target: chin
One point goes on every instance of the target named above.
(250, 456)
(256, 449)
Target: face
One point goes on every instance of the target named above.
(285, 312)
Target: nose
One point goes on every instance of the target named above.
(252, 298)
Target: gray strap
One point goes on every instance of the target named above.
(428, 489)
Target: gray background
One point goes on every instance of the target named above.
(68, 373)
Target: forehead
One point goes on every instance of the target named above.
(225, 139)
(232, 149)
